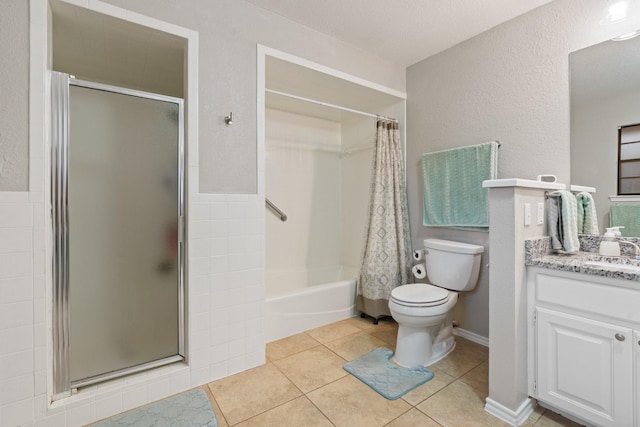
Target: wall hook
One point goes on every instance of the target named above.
(229, 119)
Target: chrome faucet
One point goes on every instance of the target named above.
(636, 249)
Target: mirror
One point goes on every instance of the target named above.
(605, 94)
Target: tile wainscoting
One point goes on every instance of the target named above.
(225, 288)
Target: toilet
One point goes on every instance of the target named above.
(423, 311)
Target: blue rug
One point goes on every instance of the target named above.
(376, 370)
(191, 409)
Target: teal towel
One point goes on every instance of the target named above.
(587, 217)
(627, 216)
(453, 193)
(562, 220)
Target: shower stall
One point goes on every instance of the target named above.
(117, 194)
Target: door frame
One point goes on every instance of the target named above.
(60, 227)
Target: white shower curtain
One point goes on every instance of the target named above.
(387, 255)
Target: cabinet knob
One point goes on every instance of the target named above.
(619, 337)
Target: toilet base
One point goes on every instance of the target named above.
(414, 348)
(425, 334)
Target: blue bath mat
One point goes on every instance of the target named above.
(192, 409)
(376, 370)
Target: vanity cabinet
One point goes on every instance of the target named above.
(585, 366)
(584, 346)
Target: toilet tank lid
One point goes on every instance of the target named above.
(449, 246)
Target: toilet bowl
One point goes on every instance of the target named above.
(423, 311)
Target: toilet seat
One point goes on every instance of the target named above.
(419, 295)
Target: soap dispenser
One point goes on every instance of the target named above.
(616, 230)
(609, 245)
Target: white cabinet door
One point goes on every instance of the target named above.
(636, 350)
(584, 367)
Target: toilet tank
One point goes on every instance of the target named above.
(452, 265)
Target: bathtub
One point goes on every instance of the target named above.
(302, 300)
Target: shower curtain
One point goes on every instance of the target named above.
(386, 257)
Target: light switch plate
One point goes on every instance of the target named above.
(527, 214)
(540, 215)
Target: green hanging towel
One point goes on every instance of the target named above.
(627, 216)
(587, 216)
(453, 192)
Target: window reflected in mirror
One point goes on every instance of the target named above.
(629, 160)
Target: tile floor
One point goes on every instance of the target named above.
(303, 384)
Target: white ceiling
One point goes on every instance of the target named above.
(403, 31)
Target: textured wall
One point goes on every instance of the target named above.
(14, 75)
(510, 83)
(229, 31)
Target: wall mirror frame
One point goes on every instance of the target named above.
(605, 95)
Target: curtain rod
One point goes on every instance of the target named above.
(325, 104)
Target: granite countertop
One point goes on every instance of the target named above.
(538, 254)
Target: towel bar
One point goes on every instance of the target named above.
(275, 209)
(547, 195)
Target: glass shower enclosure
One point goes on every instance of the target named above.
(117, 193)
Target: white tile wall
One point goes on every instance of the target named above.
(17, 377)
(225, 296)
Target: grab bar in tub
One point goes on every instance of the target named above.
(275, 209)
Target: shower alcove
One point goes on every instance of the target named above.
(117, 197)
(319, 139)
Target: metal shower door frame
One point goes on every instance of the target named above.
(60, 82)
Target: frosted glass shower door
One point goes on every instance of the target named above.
(125, 267)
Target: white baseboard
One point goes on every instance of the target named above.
(471, 336)
(514, 418)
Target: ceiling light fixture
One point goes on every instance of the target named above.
(616, 11)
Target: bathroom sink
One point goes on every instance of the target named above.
(625, 268)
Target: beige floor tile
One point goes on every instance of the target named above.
(312, 368)
(334, 331)
(359, 322)
(252, 392)
(290, 345)
(428, 389)
(459, 405)
(349, 402)
(478, 378)
(353, 346)
(298, 412)
(270, 395)
(367, 322)
(466, 356)
(387, 332)
(413, 418)
(551, 419)
(534, 417)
